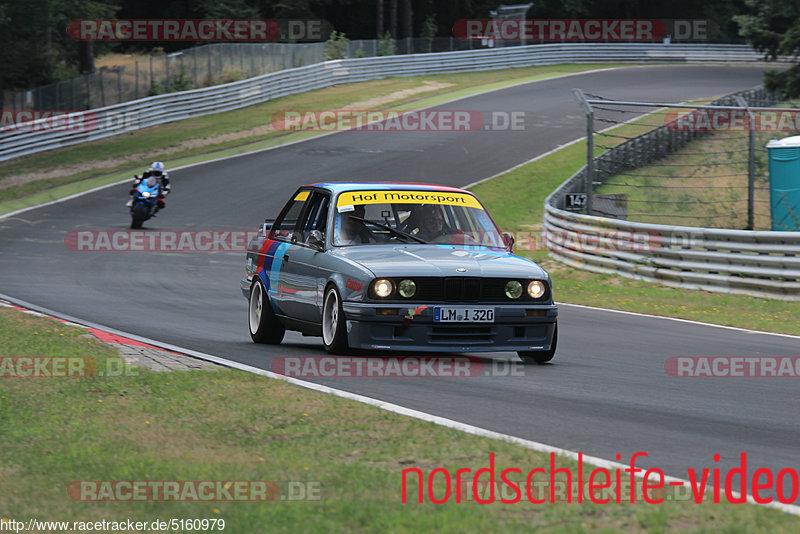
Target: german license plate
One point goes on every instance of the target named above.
(463, 315)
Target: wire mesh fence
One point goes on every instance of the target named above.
(203, 66)
(196, 67)
(686, 166)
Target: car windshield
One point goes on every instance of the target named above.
(392, 216)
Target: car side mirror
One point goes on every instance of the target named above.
(316, 240)
(509, 240)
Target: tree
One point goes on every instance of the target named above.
(773, 28)
(228, 9)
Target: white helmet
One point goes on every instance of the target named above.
(157, 167)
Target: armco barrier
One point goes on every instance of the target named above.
(129, 116)
(755, 263)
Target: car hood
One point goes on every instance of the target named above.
(440, 260)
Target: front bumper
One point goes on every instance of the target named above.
(515, 328)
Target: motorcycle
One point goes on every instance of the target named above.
(145, 198)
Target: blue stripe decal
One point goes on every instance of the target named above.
(263, 273)
(275, 268)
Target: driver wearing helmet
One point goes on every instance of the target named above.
(157, 171)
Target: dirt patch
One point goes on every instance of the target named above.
(380, 101)
(253, 133)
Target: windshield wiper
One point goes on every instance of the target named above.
(391, 229)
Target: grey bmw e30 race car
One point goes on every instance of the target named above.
(396, 266)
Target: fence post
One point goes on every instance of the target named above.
(88, 92)
(264, 59)
(751, 162)
(588, 182)
(102, 90)
(119, 84)
(136, 84)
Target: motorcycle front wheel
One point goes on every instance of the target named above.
(138, 215)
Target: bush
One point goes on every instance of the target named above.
(386, 46)
(336, 46)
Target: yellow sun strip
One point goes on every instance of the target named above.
(350, 198)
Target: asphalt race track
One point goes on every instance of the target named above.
(605, 393)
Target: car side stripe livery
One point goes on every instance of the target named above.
(268, 269)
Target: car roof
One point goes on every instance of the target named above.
(338, 187)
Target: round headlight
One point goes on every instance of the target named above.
(383, 288)
(536, 289)
(407, 288)
(513, 289)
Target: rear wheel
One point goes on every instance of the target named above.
(264, 325)
(540, 356)
(334, 327)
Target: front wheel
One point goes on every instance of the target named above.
(540, 356)
(138, 215)
(264, 325)
(334, 327)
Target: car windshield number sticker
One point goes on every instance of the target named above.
(463, 315)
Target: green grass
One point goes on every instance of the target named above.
(230, 425)
(74, 169)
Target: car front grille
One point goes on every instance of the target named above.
(462, 289)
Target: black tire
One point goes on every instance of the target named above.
(540, 356)
(263, 324)
(334, 326)
(138, 215)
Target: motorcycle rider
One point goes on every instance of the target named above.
(157, 171)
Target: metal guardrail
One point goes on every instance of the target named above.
(36, 136)
(756, 263)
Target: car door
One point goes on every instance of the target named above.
(302, 279)
(283, 237)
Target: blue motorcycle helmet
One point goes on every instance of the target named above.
(157, 168)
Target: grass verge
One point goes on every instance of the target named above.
(230, 425)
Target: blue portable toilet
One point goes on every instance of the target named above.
(784, 183)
